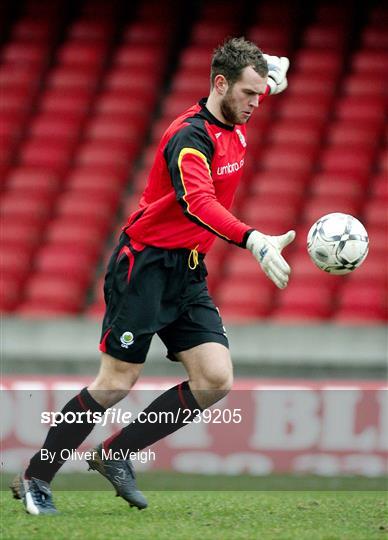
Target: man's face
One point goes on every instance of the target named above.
(242, 97)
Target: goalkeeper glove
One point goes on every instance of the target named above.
(277, 73)
(267, 251)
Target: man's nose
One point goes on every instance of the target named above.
(254, 101)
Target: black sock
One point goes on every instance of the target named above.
(182, 407)
(64, 435)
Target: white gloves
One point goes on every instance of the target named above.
(277, 73)
(267, 251)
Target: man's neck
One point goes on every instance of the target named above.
(213, 106)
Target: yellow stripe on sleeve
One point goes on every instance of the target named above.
(202, 156)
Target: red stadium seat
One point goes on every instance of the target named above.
(65, 263)
(48, 125)
(209, 33)
(85, 178)
(25, 53)
(70, 77)
(90, 30)
(55, 292)
(147, 33)
(15, 232)
(239, 296)
(10, 292)
(25, 207)
(351, 133)
(32, 179)
(370, 63)
(352, 108)
(112, 129)
(323, 36)
(311, 84)
(122, 105)
(305, 137)
(379, 187)
(317, 61)
(374, 268)
(278, 182)
(376, 212)
(362, 302)
(47, 153)
(375, 37)
(303, 301)
(15, 262)
(32, 30)
(303, 270)
(110, 154)
(343, 159)
(271, 37)
(281, 157)
(317, 207)
(78, 53)
(337, 185)
(354, 85)
(65, 234)
(73, 103)
(71, 205)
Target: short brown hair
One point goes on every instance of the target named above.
(235, 54)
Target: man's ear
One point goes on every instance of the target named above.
(220, 85)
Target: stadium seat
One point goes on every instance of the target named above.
(375, 212)
(31, 30)
(70, 77)
(17, 205)
(303, 268)
(48, 125)
(46, 153)
(10, 292)
(303, 301)
(89, 30)
(65, 263)
(338, 185)
(56, 292)
(282, 157)
(78, 53)
(374, 269)
(323, 36)
(362, 302)
(351, 133)
(250, 298)
(343, 159)
(370, 63)
(316, 207)
(317, 61)
(271, 37)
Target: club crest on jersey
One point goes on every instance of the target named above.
(241, 137)
(127, 339)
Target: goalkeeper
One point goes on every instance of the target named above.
(156, 278)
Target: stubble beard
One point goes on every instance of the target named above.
(228, 111)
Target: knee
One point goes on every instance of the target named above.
(113, 382)
(220, 380)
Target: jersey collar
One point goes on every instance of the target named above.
(210, 117)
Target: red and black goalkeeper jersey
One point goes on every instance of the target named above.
(191, 185)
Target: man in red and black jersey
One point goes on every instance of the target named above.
(155, 283)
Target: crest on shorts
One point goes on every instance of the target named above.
(127, 339)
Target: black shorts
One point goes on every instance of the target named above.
(151, 291)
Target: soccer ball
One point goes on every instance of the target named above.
(337, 243)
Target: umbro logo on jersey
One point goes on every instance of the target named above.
(230, 168)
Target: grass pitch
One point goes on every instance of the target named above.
(202, 515)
